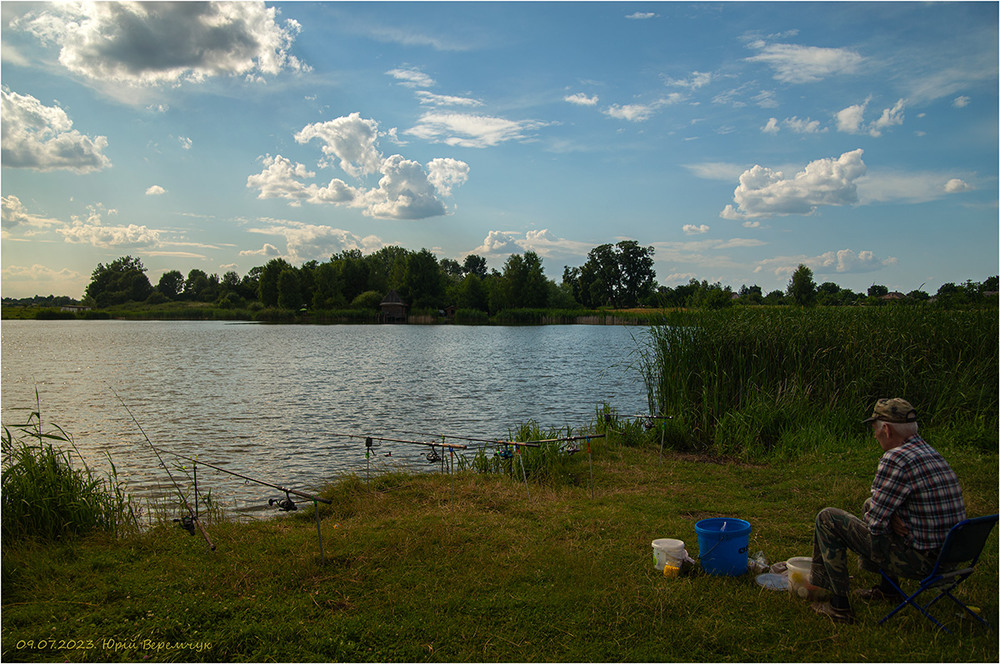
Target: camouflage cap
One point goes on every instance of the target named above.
(897, 411)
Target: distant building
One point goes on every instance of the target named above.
(75, 308)
(393, 308)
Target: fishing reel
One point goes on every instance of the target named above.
(504, 452)
(285, 505)
(187, 523)
(433, 456)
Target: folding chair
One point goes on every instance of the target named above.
(955, 564)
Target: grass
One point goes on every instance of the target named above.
(743, 380)
(477, 567)
(45, 497)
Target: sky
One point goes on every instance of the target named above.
(737, 139)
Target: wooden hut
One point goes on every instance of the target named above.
(393, 308)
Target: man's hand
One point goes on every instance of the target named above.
(898, 526)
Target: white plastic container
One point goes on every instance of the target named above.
(799, 584)
(668, 552)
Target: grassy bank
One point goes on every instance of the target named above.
(473, 567)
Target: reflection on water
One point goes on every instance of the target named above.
(275, 402)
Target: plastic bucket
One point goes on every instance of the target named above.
(723, 545)
(667, 552)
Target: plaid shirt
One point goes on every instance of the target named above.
(916, 483)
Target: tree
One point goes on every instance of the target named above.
(423, 280)
(802, 288)
(268, 283)
(877, 290)
(122, 280)
(171, 284)
(474, 265)
(523, 284)
(289, 289)
(618, 276)
(471, 293)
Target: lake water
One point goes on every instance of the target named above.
(281, 402)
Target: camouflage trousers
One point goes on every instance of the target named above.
(838, 532)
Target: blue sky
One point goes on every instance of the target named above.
(737, 139)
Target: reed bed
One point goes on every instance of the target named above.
(45, 497)
(750, 381)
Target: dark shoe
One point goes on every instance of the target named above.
(836, 615)
(877, 594)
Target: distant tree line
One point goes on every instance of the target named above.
(615, 276)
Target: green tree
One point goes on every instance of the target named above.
(423, 281)
(620, 275)
(171, 284)
(289, 289)
(122, 280)
(471, 293)
(268, 281)
(474, 265)
(523, 283)
(801, 287)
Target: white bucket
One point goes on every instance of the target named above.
(668, 551)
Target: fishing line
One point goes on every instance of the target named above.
(193, 515)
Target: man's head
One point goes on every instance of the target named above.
(893, 421)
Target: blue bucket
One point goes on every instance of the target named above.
(723, 545)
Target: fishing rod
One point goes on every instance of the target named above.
(287, 491)
(366, 438)
(193, 515)
(494, 441)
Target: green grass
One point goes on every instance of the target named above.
(477, 567)
(741, 381)
(45, 497)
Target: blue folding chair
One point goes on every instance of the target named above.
(955, 563)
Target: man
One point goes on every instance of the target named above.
(915, 501)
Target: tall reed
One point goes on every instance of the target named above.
(45, 497)
(740, 379)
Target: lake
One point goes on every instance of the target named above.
(285, 403)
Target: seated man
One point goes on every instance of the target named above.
(915, 501)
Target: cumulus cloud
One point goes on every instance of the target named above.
(543, 242)
(794, 124)
(960, 102)
(471, 131)
(843, 261)
(771, 127)
(955, 185)
(581, 99)
(805, 64)
(16, 220)
(405, 189)
(691, 229)
(42, 138)
(763, 192)
(851, 119)
(641, 112)
(151, 43)
(155, 190)
(93, 231)
(28, 280)
(306, 242)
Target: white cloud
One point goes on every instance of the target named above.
(471, 131)
(805, 64)
(185, 142)
(155, 190)
(803, 126)
(956, 185)
(961, 102)
(42, 138)
(581, 99)
(771, 127)
(151, 43)
(543, 242)
(351, 139)
(15, 218)
(843, 261)
(92, 231)
(445, 173)
(763, 192)
(851, 119)
(698, 79)
(641, 16)
(716, 170)
(405, 189)
(431, 99)
(305, 242)
(691, 229)
(25, 280)
(411, 77)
